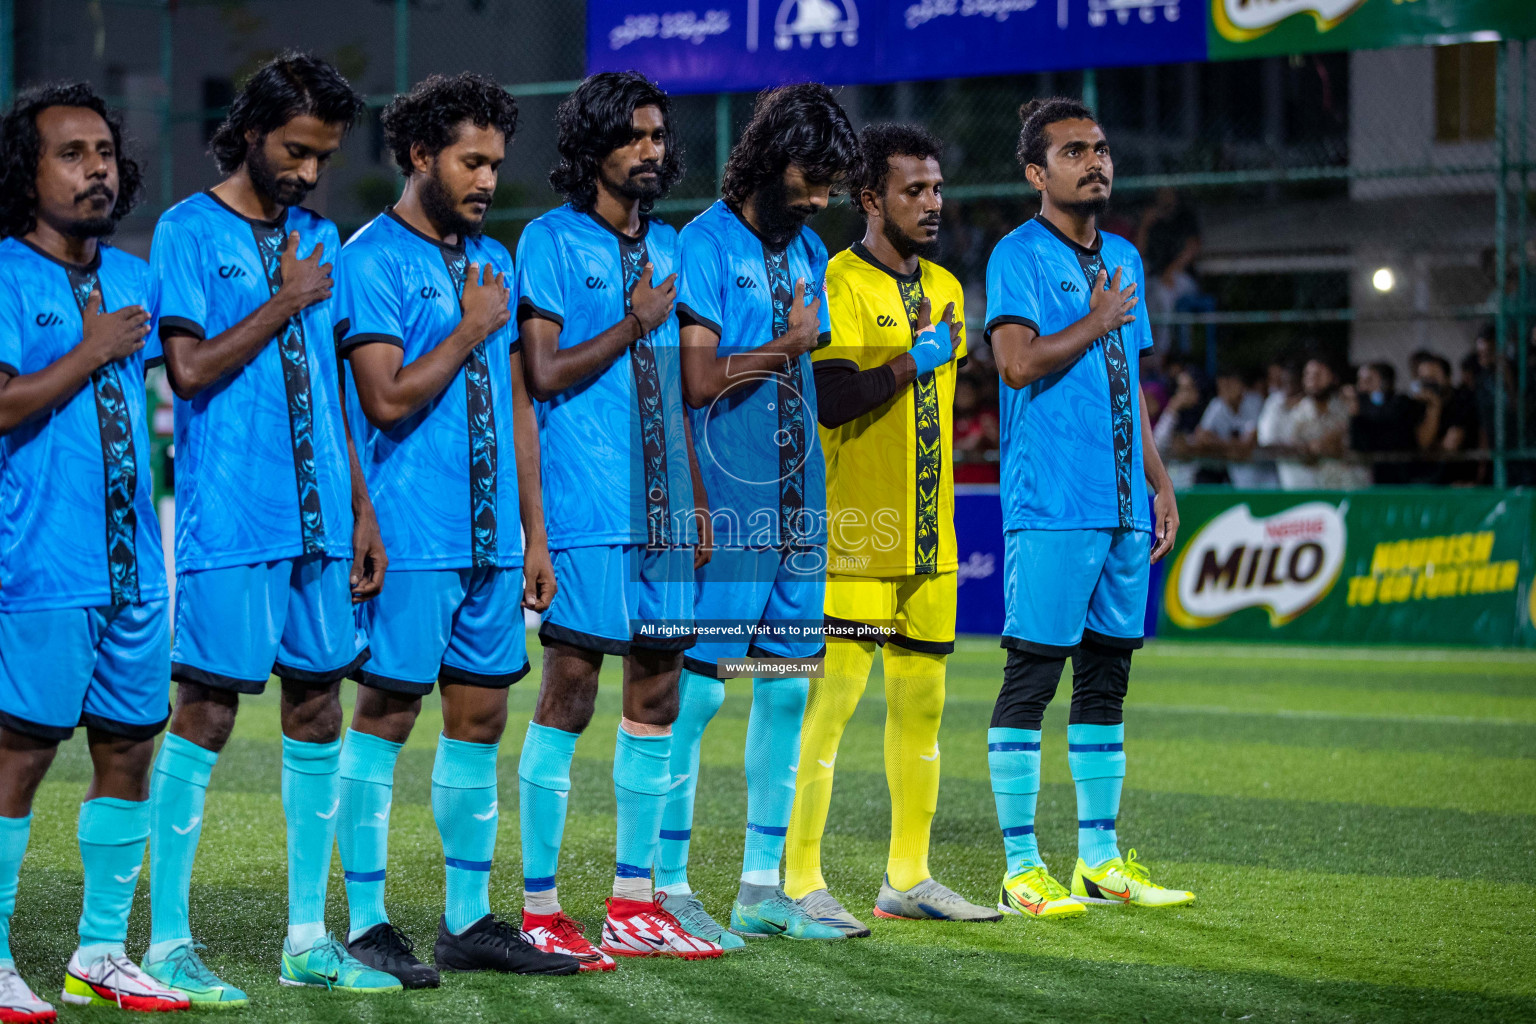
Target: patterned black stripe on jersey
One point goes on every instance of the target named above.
(482, 434)
(1119, 373)
(930, 457)
(295, 359)
(119, 466)
(653, 423)
(791, 433)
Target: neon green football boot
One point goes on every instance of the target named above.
(328, 965)
(1124, 882)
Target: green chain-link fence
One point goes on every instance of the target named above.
(1363, 205)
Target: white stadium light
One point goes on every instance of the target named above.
(1384, 280)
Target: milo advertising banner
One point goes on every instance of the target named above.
(1262, 28)
(1379, 566)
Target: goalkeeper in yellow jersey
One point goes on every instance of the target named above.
(885, 391)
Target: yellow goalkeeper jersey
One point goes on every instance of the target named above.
(890, 481)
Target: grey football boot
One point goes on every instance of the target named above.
(930, 900)
(823, 906)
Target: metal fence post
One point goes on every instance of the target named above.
(402, 46)
(1501, 259)
(1522, 318)
(722, 137)
(167, 124)
(7, 51)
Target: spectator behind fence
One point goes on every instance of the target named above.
(1449, 423)
(1176, 425)
(1311, 430)
(976, 435)
(1381, 420)
(1169, 240)
(1229, 429)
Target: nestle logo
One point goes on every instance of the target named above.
(745, 282)
(1294, 528)
(885, 321)
(597, 284)
(230, 270)
(49, 320)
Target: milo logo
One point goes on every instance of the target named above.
(1285, 563)
(1241, 20)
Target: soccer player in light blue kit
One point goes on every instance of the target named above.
(275, 536)
(1077, 460)
(751, 305)
(597, 281)
(83, 617)
(447, 439)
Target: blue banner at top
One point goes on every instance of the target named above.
(744, 45)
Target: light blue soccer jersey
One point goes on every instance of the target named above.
(77, 527)
(443, 480)
(261, 456)
(1071, 441)
(758, 450)
(614, 452)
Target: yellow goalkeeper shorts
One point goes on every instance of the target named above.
(914, 612)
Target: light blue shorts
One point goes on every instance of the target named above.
(760, 602)
(613, 598)
(445, 626)
(1060, 586)
(292, 618)
(106, 668)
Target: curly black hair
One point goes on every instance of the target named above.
(282, 89)
(1038, 115)
(432, 112)
(877, 144)
(598, 118)
(793, 124)
(20, 145)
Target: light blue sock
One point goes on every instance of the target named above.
(1013, 755)
(177, 788)
(465, 806)
(112, 835)
(642, 775)
(543, 785)
(699, 697)
(14, 833)
(773, 750)
(1096, 754)
(311, 801)
(362, 830)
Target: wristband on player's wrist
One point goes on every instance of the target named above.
(639, 325)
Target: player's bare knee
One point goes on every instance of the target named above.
(1029, 683)
(120, 765)
(567, 691)
(204, 715)
(310, 713)
(474, 714)
(382, 713)
(24, 760)
(1101, 675)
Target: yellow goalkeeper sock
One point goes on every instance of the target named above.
(914, 699)
(827, 710)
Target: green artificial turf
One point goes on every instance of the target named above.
(1357, 824)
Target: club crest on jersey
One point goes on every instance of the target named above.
(1285, 563)
(1242, 20)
